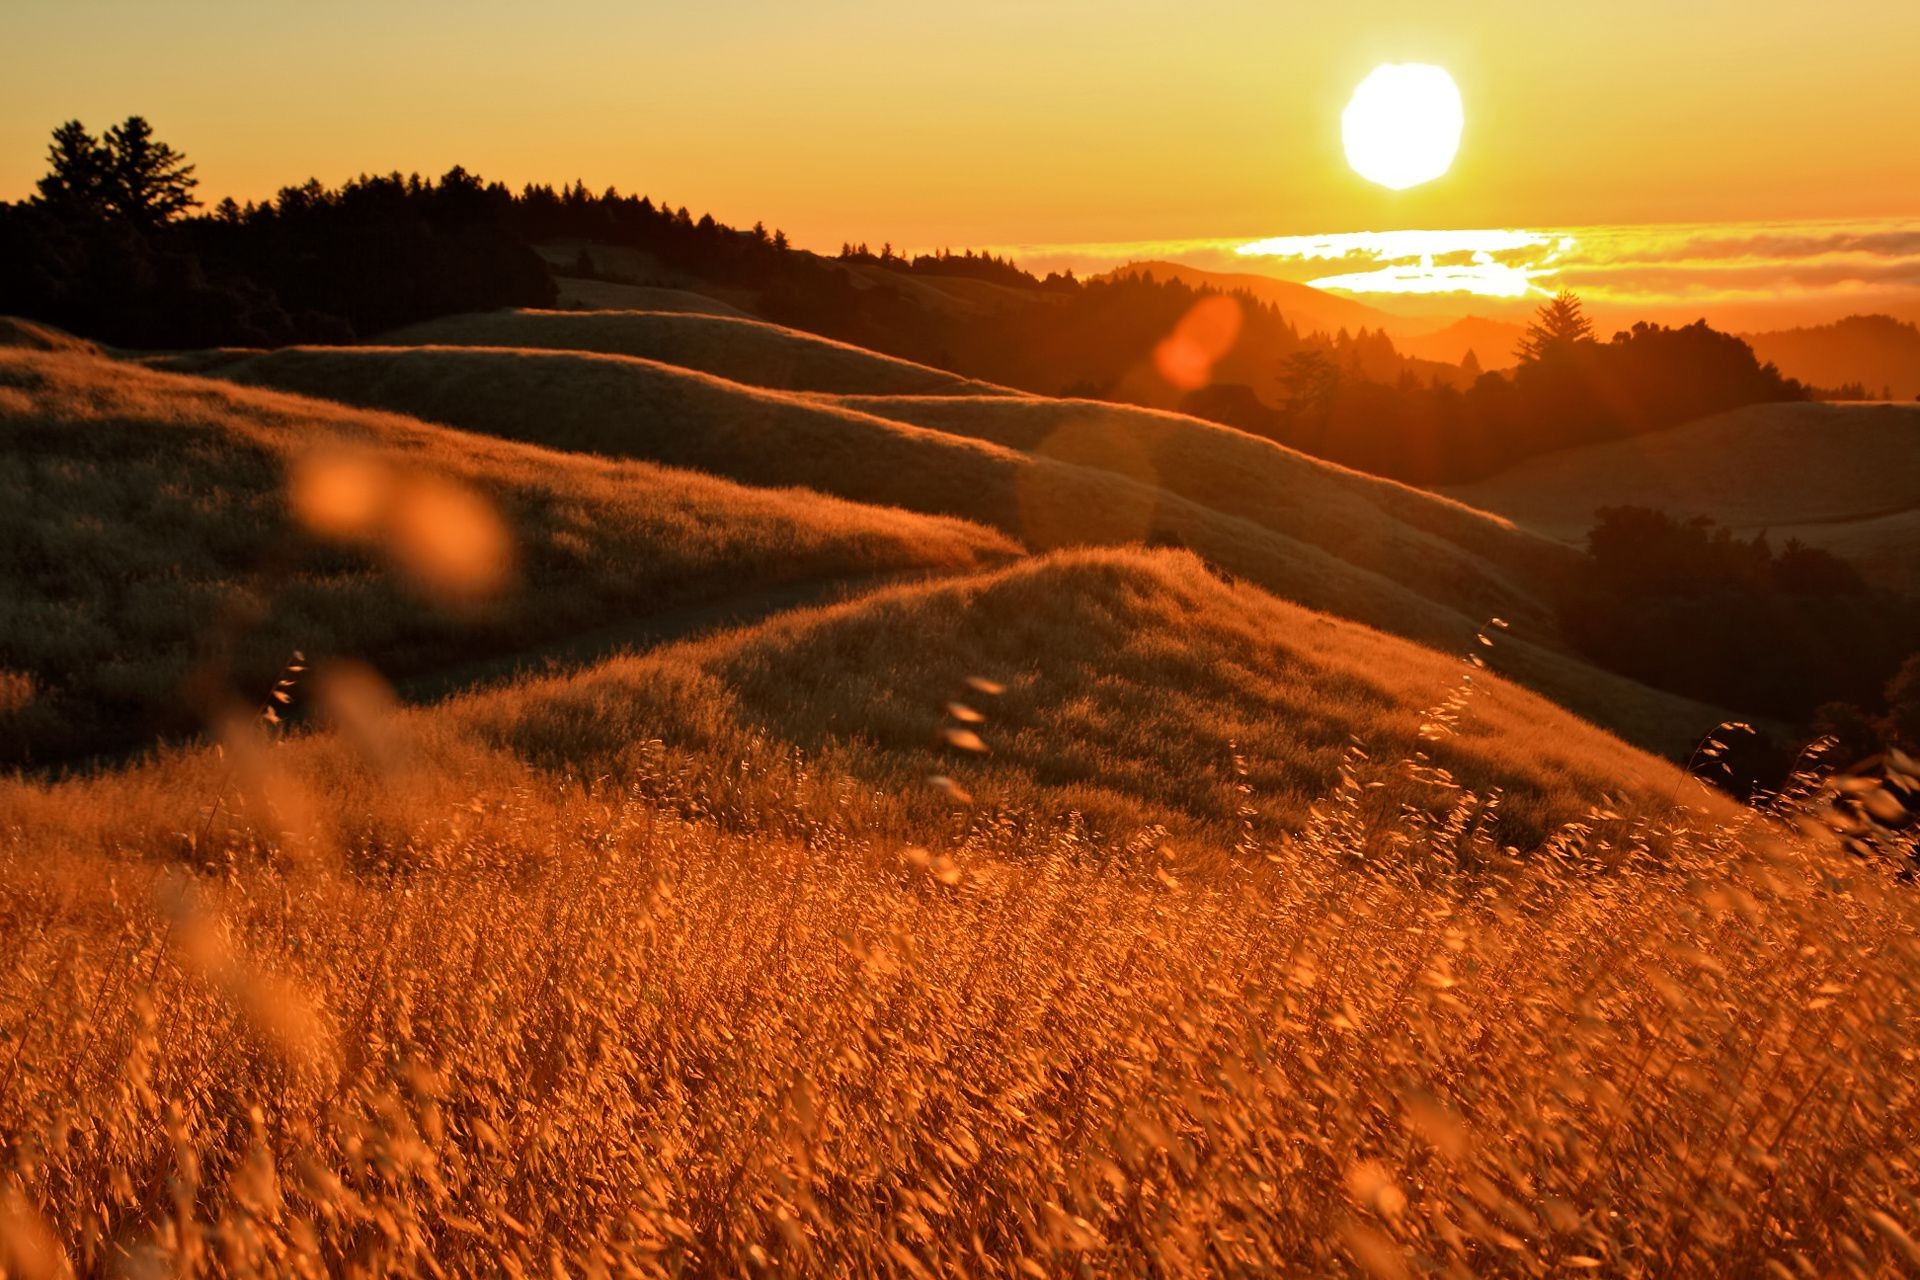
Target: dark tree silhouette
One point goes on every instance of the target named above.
(1557, 327)
(78, 181)
(1686, 605)
(148, 181)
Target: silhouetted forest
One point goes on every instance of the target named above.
(1569, 389)
(110, 247)
(1685, 605)
(105, 249)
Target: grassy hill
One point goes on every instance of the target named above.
(1138, 691)
(1838, 476)
(149, 524)
(1382, 553)
(705, 901)
(1879, 352)
(607, 295)
(1491, 341)
(744, 350)
(26, 335)
(685, 961)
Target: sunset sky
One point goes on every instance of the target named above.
(1008, 123)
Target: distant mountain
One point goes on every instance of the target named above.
(1491, 341)
(1876, 351)
(1306, 308)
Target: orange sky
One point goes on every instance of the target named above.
(1006, 122)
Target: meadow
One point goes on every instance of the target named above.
(642, 1021)
(1047, 473)
(1053, 904)
(160, 530)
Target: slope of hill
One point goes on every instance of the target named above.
(1381, 553)
(702, 973)
(151, 521)
(744, 350)
(1877, 351)
(1308, 309)
(607, 295)
(1131, 680)
(1833, 475)
(1381, 525)
(943, 295)
(29, 335)
(1491, 341)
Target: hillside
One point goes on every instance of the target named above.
(26, 335)
(152, 522)
(1491, 341)
(1879, 352)
(1130, 682)
(1382, 553)
(1308, 309)
(735, 347)
(1838, 476)
(606, 295)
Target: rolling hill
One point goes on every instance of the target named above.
(1131, 681)
(1837, 476)
(1879, 352)
(151, 522)
(1379, 552)
(607, 295)
(1491, 341)
(745, 350)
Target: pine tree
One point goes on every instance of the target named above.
(77, 182)
(148, 181)
(1557, 327)
(1470, 364)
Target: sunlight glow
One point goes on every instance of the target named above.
(1403, 125)
(1492, 262)
(1487, 279)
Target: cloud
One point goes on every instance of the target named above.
(1631, 265)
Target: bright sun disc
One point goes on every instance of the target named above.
(1403, 124)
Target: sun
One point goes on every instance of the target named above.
(1402, 126)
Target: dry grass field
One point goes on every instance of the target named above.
(144, 529)
(1048, 473)
(742, 350)
(420, 994)
(607, 295)
(1838, 476)
(1086, 912)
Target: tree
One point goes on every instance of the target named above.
(1470, 364)
(148, 181)
(77, 181)
(1310, 380)
(1557, 327)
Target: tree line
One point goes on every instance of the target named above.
(1793, 634)
(114, 246)
(1568, 389)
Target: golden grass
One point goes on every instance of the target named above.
(1838, 476)
(604, 295)
(744, 350)
(1331, 539)
(143, 520)
(30, 335)
(669, 1019)
(1476, 561)
(1141, 693)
